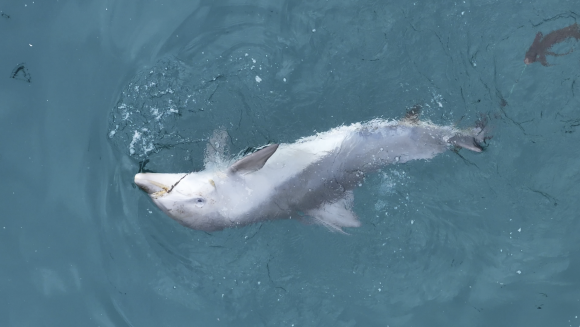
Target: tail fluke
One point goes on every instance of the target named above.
(466, 142)
(473, 138)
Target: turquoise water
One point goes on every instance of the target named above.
(461, 240)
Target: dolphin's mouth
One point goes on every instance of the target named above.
(148, 185)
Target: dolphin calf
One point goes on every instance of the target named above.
(311, 178)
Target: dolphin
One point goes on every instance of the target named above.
(313, 177)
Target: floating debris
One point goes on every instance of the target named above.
(542, 44)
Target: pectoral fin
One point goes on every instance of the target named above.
(254, 161)
(336, 215)
(217, 148)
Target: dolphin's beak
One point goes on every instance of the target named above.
(147, 184)
(157, 183)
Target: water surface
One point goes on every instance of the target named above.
(461, 240)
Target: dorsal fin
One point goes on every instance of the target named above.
(412, 114)
(254, 161)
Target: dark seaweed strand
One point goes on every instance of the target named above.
(21, 68)
(15, 71)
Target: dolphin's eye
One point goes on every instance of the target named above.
(199, 202)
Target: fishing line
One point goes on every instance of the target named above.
(517, 81)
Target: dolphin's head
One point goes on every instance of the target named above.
(207, 200)
(190, 199)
